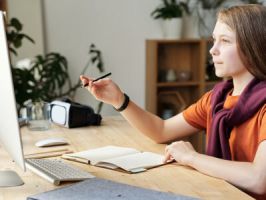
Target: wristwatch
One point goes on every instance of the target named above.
(124, 105)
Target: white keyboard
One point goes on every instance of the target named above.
(56, 171)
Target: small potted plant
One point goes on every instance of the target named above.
(171, 12)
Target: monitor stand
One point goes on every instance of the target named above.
(9, 179)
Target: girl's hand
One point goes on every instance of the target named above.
(104, 90)
(182, 152)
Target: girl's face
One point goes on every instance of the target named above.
(224, 52)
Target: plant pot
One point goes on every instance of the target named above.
(172, 28)
(191, 27)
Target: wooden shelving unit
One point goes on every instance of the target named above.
(188, 56)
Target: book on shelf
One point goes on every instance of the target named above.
(118, 158)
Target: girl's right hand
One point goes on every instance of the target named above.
(104, 90)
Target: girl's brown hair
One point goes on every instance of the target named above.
(249, 23)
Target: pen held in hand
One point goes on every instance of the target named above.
(99, 78)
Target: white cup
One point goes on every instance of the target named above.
(171, 75)
(38, 115)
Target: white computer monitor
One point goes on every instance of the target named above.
(10, 138)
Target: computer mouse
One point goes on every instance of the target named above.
(51, 142)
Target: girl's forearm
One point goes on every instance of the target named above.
(241, 174)
(161, 131)
(145, 122)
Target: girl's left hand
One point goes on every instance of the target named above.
(181, 151)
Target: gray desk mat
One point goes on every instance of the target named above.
(101, 189)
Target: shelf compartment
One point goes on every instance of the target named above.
(179, 57)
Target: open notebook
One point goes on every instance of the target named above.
(114, 157)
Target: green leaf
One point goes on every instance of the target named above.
(28, 38)
(16, 24)
(17, 43)
(169, 9)
(13, 51)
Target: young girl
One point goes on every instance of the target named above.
(233, 113)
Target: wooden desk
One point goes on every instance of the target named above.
(116, 131)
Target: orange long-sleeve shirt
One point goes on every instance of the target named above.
(244, 139)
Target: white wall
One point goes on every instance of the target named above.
(119, 29)
(29, 13)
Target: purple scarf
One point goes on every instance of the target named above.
(223, 120)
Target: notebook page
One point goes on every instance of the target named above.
(138, 160)
(102, 153)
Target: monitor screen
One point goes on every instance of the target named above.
(10, 138)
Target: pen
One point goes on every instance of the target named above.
(48, 155)
(49, 151)
(101, 77)
(55, 154)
